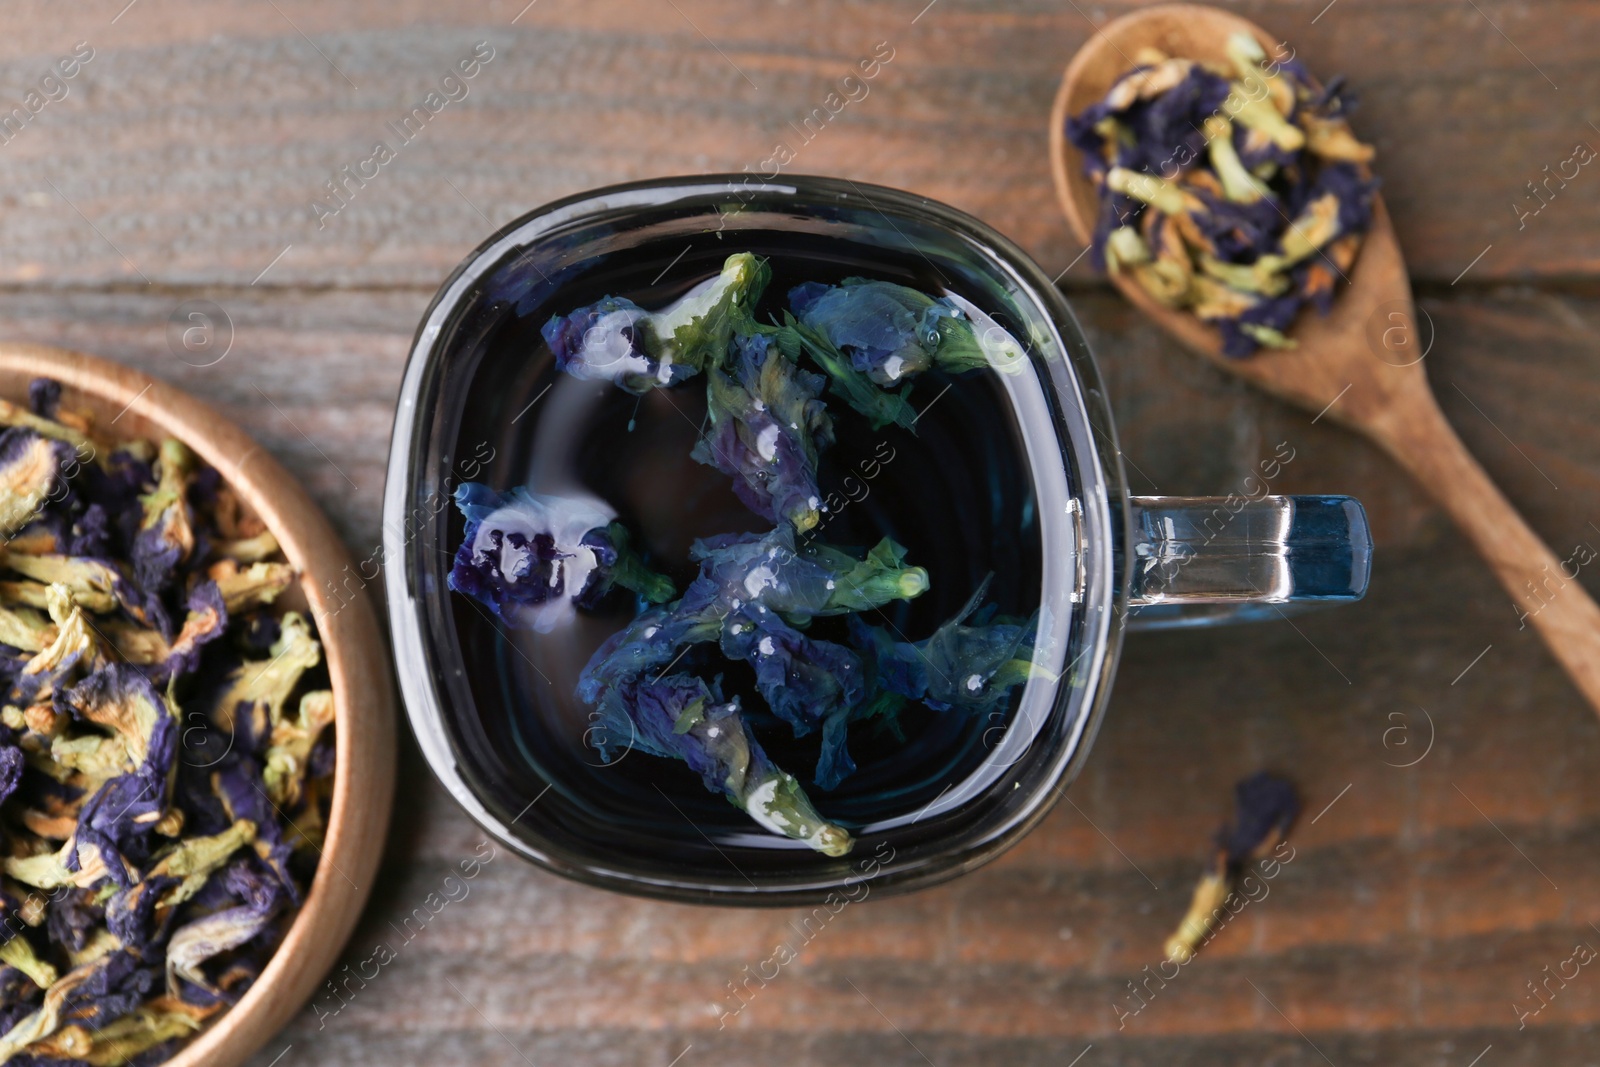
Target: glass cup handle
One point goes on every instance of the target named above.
(1199, 560)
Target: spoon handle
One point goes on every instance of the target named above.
(1543, 586)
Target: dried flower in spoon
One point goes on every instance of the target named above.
(1234, 191)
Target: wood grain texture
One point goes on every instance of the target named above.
(1417, 905)
(123, 400)
(199, 135)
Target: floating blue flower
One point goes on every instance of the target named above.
(766, 428)
(890, 332)
(605, 342)
(970, 663)
(802, 582)
(648, 645)
(682, 717)
(534, 559)
(616, 340)
(803, 680)
(756, 594)
(881, 406)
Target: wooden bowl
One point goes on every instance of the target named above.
(128, 403)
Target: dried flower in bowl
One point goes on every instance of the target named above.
(162, 768)
(1237, 191)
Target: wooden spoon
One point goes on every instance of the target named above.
(1361, 365)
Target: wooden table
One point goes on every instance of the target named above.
(182, 165)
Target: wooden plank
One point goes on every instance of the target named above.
(518, 1047)
(189, 150)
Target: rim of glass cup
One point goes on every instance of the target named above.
(1083, 419)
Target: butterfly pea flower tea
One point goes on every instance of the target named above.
(773, 631)
(794, 531)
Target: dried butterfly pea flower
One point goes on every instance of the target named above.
(1265, 806)
(88, 766)
(37, 595)
(17, 951)
(766, 428)
(99, 990)
(46, 1019)
(25, 629)
(615, 340)
(248, 549)
(136, 914)
(96, 584)
(125, 1040)
(44, 397)
(166, 534)
(251, 703)
(289, 750)
(30, 475)
(207, 619)
(73, 918)
(120, 700)
(122, 817)
(1234, 199)
(252, 586)
(256, 633)
(76, 647)
(11, 764)
(309, 830)
(534, 559)
(205, 938)
(53, 428)
(1238, 184)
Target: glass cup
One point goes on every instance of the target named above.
(1015, 474)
